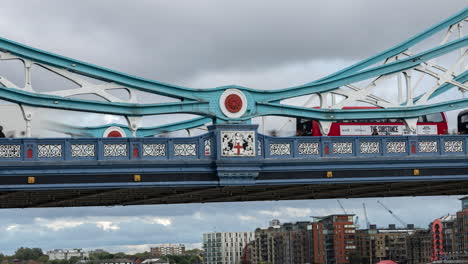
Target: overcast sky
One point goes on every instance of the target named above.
(260, 44)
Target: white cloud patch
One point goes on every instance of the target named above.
(165, 221)
(287, 212)
(11, 227)
(298, 212)
(198, 215)
(107, 225)
(270, 213)
(58, 224)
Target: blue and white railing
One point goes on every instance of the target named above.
(205, 147)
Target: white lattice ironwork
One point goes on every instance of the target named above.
(369, 147)
(115, 150)
(83, 150)
(453, 146)
(238, 143)
(309, 148)
(49, 150)
(427, 146)
(185, 149)
(154, 150)
(278, 149)
(417, 85)
(10, 151)
(401, 78)
(342, 147)
(396, 147)
(207, 147)
(84, 87)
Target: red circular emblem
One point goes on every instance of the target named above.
(233, 103)
(114, 134)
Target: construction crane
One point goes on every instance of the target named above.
(342, 208)
(394, 215)
(356, 220)
(365, 215)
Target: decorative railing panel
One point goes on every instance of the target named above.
(309, 148)
(154, 150)
(396, 146)
(185, 149)
(83, 150)
(342, 147)
(280, 149)
(115, 150)
(369, 147)
(453, 146)
(10, 151)
(49, 150)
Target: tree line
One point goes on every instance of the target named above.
(35, 256)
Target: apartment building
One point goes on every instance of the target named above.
(419, 247)
(66, 254)
(288, 243)
(376, 244)
(168, 249)
(338, 241)
(225, 247)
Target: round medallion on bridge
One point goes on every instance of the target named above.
(233, 103)
(114, 131)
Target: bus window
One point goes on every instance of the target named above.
(304, 127)
(464, 119)
(434, 118)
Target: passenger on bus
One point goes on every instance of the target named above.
(375, 132)
(1, 132)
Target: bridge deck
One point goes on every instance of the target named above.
(176, 195)
(127, 171)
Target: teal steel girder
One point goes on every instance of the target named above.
(456, 18)
(389, 68)
(256, 98)
(205, 102)
(337, 114)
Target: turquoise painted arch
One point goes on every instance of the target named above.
(205, 102)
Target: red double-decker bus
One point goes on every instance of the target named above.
(432, 124)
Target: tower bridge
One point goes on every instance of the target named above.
(116, 164)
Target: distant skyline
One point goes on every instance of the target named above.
(134, 229)
(207, 43)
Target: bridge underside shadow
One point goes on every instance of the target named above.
(178, 195)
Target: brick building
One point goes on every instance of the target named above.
(462, 228)
(289, 243)
(338, 241)
(444, 241)
(419, 247)
(376, 244)
(318, 244)
(268, 246)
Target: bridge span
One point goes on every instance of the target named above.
(232, 161)
(130, 171)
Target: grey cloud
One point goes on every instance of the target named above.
(174, 42)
